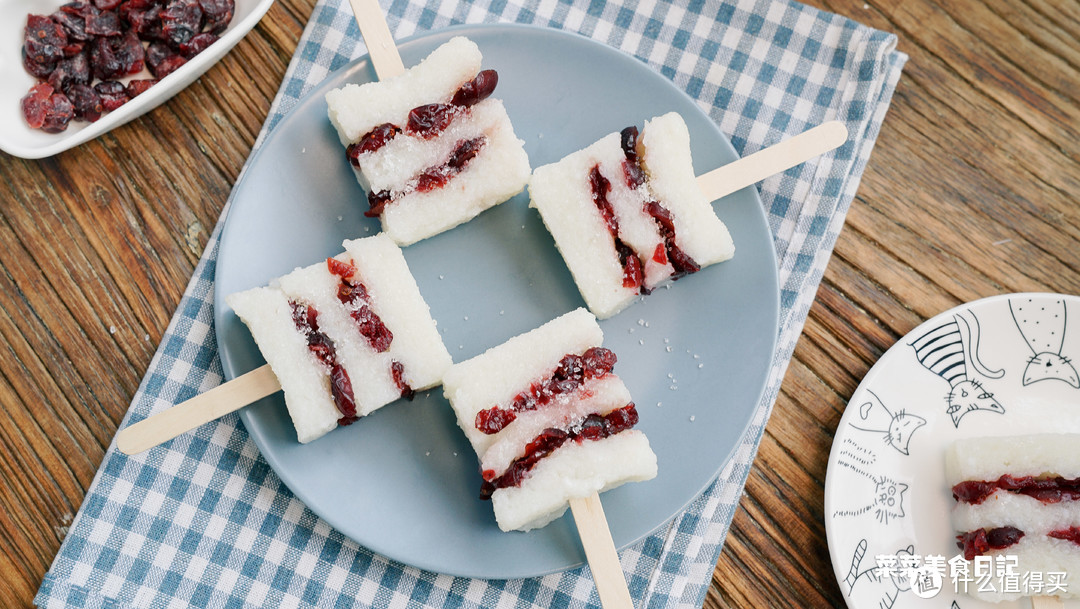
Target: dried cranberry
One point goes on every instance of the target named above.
(632, 172)
(167, 66)
(181, 20)
(139, 86)
(377, 202)
(429, 120)
(681, 262)
(600, 186)
(465, 152)
(69, 71)
(1070, 534)
(372, 141)
(476, 89)
(397, 370)
(106, 5)
(113, 94)
(87, 102)
(218, 14)
(130, 53)
(592, 428)
(104, 63)
(74, 23)
(339, 268)
(35, 104)
(342, 391)
(146, 21)
(40, 71)
(621, 419)
(493, 420)
(44, 40)
(58, 114)
(197, 44)
(598, 361)
(372, 328)
(103, 23)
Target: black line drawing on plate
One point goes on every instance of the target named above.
(897, 428)
(895, 583)
(1042, 324)
(881, 495)
(948, 350)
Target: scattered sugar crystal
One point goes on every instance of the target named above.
(112, 329)
(670, 375)
(427, 454)
(340, 218)
(641, 322)
(641, 341)
(146, 337)
(669, 349)
(466, 318)
(691, 418)
(701, 365)
(696, 356)
(631, 330)
(666, 341)
(440, 277)
(502, 312)
(659, 404)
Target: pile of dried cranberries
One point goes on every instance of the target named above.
(80, 53)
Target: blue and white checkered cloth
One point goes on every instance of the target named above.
(204, 521)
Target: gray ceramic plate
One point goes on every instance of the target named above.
(404, 481)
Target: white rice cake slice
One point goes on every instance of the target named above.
(989, 458)
(499, 171)
(394, 297)
(268, 315)
(1005, 509)
(1037, 555)
(563, 195)
(573, 470)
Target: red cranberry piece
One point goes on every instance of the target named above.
(397, 370)
(465, 152)
(372, 141)
(592, 428)
(138, 86)
(197, 44)
(58, 113)
(43, 40)
(633, 270)
(181, 20)
(432, 179)
(1070, 534)
(35, 104)
(103, 23)
(130, 53)
(112, 93)
(373, 329)
(476, 89)
(377, 201)
(41, 71)
(145, 21)
(972, 491)
(104, 62)
(1002, 537)
(74, 23)
(342, 391)
(87, 103)
(598, 361)
(339, 268)
(493, 420)
(106, 5)
(681, 262)
(600, 187)
(620, 420)
(218, 14)
(429, 120)
(168, 66)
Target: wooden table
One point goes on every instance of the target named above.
(970, 192)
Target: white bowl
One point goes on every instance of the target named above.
(17, 138)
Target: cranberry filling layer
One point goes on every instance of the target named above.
(635, 177)
(353, 294)
(633, 271)
(1070, 534)
(428, 120)
(306, 319)
(977, 543)
(568, 376)
(431, 178)
(1046, 490)
(593, 427)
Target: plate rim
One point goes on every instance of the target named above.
(358, 64)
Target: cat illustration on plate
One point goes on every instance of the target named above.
(895, 429)
(950, 350)
(892, 584)
(865, 492)
(1042, 324)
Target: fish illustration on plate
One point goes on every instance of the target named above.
(950, 350)
(1042, 324)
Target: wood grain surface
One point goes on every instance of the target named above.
(970, 192)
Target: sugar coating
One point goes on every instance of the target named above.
(268, 315)
(562, 193)
(499, 171)
(394, 297)
(355, 110)
(1030, 455)
(500, 373)
(575, 470)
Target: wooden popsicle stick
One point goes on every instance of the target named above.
(752, 169)
(203, 408)
(377, 37)
(600, 551)
(1046, 602)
